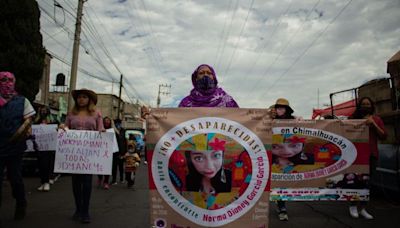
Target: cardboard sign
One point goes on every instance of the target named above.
(84, 152)
(115, 143)
(45, 137)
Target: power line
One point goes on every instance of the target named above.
(261, 52)
(223, 32)
(96, 57)
(82, 70)
(227, 35)
(305, 50)
(257, 84)
(152, 31)
(238, 40)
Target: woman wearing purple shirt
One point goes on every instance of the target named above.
(83, 116)
(206, 92)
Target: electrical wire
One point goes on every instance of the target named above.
(238, 40)
(305, 50)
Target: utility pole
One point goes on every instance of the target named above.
(119, 97)
(162, 92)
(75, 53)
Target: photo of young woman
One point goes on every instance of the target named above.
(291, 152)
(205, 168)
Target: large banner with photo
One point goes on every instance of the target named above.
(208, 167)
(320, 160)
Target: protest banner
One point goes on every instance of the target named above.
(208, 167)
(84, 152)
(115, 143)
(45, 137)
(320, 160)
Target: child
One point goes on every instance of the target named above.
(132, 161)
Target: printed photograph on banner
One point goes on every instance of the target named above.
(312, 153)
(210, 170)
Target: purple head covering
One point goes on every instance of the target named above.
(215, 97)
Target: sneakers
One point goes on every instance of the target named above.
(106, 186)
(40, 188)
(114, 183)
(283, 216)
(85, 219)
(353, 211)
(365, 214)
(46, 187)
(51, 181)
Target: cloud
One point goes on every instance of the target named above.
(290, 49)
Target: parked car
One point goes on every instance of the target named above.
(138, 137)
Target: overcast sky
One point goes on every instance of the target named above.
(261, 50)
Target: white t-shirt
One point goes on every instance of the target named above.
(28, 109)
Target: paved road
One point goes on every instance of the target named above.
(122, 207)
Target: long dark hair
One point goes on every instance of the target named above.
(358, 114)
(296, 159)
(194, 178)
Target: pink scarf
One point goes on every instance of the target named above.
(7, 87)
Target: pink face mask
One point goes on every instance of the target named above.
(7, 87)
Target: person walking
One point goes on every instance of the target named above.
(83, 116)
(366, 110)
(15, 119)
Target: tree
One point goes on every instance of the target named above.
(21, 48)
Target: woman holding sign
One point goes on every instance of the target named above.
(83, 116)
(281, 152)
(45, 158)
(365, 110)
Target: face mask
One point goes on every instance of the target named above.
(365, 110)
(7, 84)
(205, 83)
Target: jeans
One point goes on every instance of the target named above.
(46, 165)
(14, 173)
(130, 178)
(82, 189)
(117, 163)
(281, 205)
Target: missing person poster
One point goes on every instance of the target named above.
(208, 167)
(320, 160)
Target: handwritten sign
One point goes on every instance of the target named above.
(84, 152)
(115, 143)
(45, 137)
